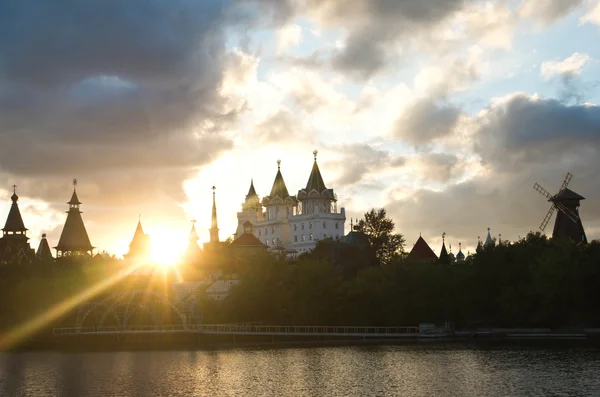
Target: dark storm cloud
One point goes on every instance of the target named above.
(425, 121)
(89, 88)
(521, 140)
(525, 130)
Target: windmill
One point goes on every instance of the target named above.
(566, 203)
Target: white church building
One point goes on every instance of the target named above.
(293, 223)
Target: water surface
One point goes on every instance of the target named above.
(323, 371)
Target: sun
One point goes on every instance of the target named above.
(167, 247)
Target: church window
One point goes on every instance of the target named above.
(267, 241)
(324, 225)
(303, 226)
(303, 239)
(259, 233)
(324, 235)
(265, 231)
(295, 239)
(336, 225)
(273, 241)
(272, 230)
(310, 237)
(295, 227)
(310, 225)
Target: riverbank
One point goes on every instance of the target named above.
(191, 342)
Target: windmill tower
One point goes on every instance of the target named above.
(568, 223)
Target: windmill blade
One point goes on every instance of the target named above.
(561, 207)
(565, 182)
(542, 191)
(547, 218)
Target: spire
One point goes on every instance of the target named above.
(315, 181)
(251, 191)
(74, 202)
(488, 239)
(74, 238)
(193, 236)
(460, 256)
(214, 226)
(444, 257)
(43, 252)
(279, 188)
(14, 221)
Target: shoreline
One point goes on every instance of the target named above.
(199, 342)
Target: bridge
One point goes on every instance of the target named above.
(247, 329)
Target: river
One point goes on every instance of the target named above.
(432, 370)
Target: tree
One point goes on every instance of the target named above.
(380, 231)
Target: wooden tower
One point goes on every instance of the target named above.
(566, 202)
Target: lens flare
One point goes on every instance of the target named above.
(25, 330)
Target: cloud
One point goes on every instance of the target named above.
(569, 67)
(362, 163)
(426, 120)
(592, 16)
(548, 11)
(107, 86)
(289, 36)
(437, 167)
(373, 29)
(520, 130)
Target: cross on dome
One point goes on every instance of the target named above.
(315, 152)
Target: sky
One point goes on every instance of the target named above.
(443, 112)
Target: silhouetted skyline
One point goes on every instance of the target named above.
(444, 112)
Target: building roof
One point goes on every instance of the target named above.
(44, 253)
(139, 233)
(14, 221)
(251, 191)
(193, 236)
(488, 239)
(248, 240)
(74, 199)
(74, 237)
(279, 188)
(444, 257)
(315, 180)
(567, 194)
(422, 251)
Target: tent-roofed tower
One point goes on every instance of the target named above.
(44, 254)
(317, 215)
(14, 244)
(193, 253)
(252, 210)
(444, 256)
(74, 240)
(139, 248)
(421, 251)
(274, 229)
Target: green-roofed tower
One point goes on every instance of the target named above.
(316, 216)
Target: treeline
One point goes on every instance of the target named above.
(534, 282)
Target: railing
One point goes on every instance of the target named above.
(247, 329)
